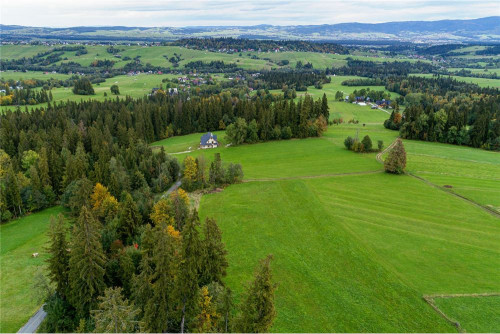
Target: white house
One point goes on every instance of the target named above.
(209, 140)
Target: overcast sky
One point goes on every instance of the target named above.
(147, 13)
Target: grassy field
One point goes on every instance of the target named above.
(475, 314)
(482, 82)
(357, 252)
(470, 172)
(155, 55)
(19, 239)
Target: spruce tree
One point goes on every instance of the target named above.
(87, 263)
(115, 314)
(160, 308)
(214, 262)
(257, 310)
(130, 219)
(58, 262)
(396, 161)
(325, 110)
(189, 268)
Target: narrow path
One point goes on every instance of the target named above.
(172, 188)
(379, 155)
(34, 322)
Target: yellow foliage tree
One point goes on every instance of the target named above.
(208, 317)
(161, 212)
(103, 203)
(179, 194)
(190, 169)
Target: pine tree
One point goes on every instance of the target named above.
(214, 262)
(325, 110)
(58, 263)
(12, 193)
(189, 268)
(130, 219)
(396, 161)
(115, 314)
(160, 308)
(257, 310)
(87, 263)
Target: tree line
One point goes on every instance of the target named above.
(240, 44)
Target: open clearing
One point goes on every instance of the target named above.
(19, 240)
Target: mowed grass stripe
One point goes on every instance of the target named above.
(327, 282)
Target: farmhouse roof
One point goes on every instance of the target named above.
(206, 137)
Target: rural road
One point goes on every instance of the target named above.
(32, 325)
(172, 188)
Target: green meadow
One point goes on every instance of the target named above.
(356, 249)
(475, 314)
(19, 239)
(482, 82)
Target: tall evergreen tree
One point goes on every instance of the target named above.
(115, 314)
(87, 263)
(189, 268)
(58, 262)
(257, 309)
(130, 219)
(214, 262)
(160, 308)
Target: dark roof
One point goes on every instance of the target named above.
(206, 137)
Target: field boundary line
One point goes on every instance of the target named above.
(311, 176)
(483, 207)
(429, 299)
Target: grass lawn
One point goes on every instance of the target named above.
(19, 239)
(475, 314)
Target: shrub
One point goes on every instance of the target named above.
(380, 145)
(367, 143)
(348, 142)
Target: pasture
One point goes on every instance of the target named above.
(19, 239)
(356, 249)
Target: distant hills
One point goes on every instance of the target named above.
(476, 30)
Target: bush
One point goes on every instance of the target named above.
(348, 142)
(367, 143)
(380, 145)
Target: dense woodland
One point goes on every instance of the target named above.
(448, 111)
(48, 152)
(240, 44)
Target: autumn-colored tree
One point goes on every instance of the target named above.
(58, 262)
(103, 203)
(397, 118)
(257, 309)
(87, 263)
(396, 161)
(114, 313)
(190, 169)
(161, 213)
(206, 321)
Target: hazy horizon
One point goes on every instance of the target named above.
(206, 13)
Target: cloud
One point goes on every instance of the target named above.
(63, 13)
